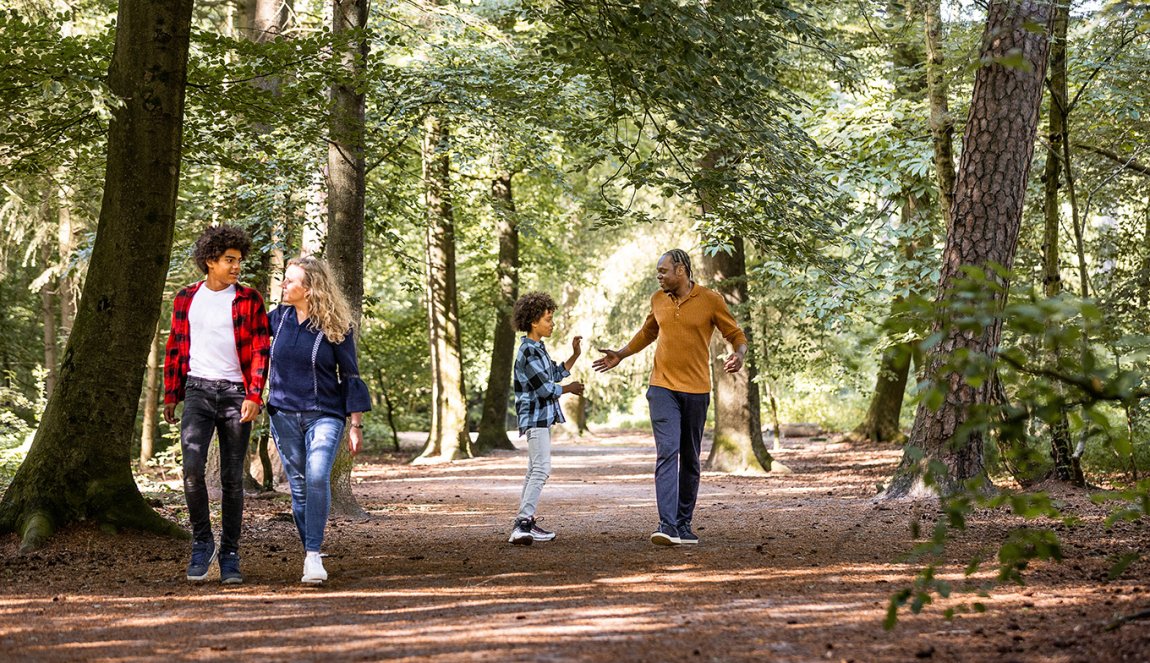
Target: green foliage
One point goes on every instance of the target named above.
(1050, 361)
(54, 101)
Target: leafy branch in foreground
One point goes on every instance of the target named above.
(1082, 376)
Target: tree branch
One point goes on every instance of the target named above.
(1127, 163)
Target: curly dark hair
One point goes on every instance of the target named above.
(530, 308)
(217, 239)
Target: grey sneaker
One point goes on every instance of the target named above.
(540, 534)
(666, 535)
(230, 568)
(686, 536)
(203, 554)
(521, 533)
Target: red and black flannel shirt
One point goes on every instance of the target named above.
(250, 321)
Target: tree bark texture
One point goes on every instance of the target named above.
(989, 196)
(493, 424)
(738, 443)
(449, 438)
(79, 466)
(1066, 466)
(347, 184)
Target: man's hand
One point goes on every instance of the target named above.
(170, 414)
(734, 363)
(609, 360)
(248, 411)
(355, 439)
(573, 388)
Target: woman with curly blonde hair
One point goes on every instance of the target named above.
(314, 387)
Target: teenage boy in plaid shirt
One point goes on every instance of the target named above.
(216, 362)
(537, 392)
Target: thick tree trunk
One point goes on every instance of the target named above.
(79, 466)
(347, 184)
(493, 424)
(152, 392)
(1066, 466)
(449, 438)
(987, 213)
(738, 442)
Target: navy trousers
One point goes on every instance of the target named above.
(677, 420)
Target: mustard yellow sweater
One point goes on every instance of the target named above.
(683, 329)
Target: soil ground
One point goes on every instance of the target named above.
(792, 567)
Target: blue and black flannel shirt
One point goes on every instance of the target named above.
(537, 388)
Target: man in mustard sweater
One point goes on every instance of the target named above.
(683, 317)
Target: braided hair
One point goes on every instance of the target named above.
(680, 257)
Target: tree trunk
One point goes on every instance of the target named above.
(738, 442)
(493, 424)
(574, 409)
(66, 243)
(941, 122)
(48, 317)
(1066, 466)
(346, 193)
(987, 214)
(881, 423)
(152, 396)
(79, 466)
(449, 438)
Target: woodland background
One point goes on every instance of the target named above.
(917, 259)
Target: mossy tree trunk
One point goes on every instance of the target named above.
(347, 186)
(79, 466)
(986, 217)
(1066, 465)
(881, 423)
(738, 442)
(493, 424)
(449, 438)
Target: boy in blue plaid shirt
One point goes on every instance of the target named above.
(537, 392)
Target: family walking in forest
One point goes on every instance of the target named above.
(224, 347)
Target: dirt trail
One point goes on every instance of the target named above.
(794, 567)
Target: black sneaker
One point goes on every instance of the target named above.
(666, 535)
(230, 568)
(686, 536)
(203, 554)
(540, 534)
(521, 532)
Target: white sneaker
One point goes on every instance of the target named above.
(313, 571)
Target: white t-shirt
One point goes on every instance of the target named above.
(213, 336)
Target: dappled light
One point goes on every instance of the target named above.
(785, 571)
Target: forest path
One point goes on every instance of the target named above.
(795, 567)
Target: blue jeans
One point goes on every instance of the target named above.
(677, 420)
(213, 406)
(307, 442)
